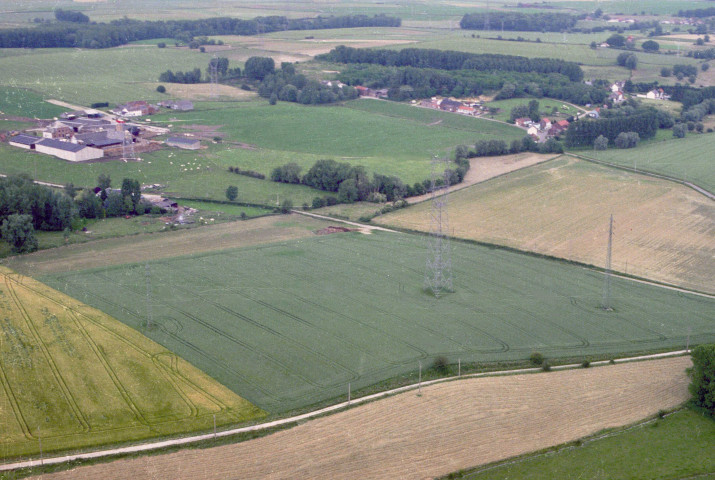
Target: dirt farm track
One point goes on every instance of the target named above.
(450, 426)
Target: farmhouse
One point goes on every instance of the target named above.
(523, 122)
(466, 110)
(185, 143)
(68, 150)
(450, 105)
(135, 108)
(57, 130)
(24, 141)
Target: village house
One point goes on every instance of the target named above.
(657, 94)
(533, 131)
(68, 150)
(449, 105)
(137, 108)
(545, 124)
(523, 122)
(466, 110)
(57, 130)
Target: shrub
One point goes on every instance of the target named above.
(601, 143)
(665, 72)
(586, 364)
(161, 89)
(679, 130)
(440, 364)
(546, 366)
(232, 193)
(536, 358)
(318, 202)
(702, 375)
(161, 45)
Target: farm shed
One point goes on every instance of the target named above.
(24, 141)
(181, 105)
(67, 150)
(185, 143)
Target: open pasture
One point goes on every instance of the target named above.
(74, 377)
(688, 158)
(289, 324)
(447, 427)
(663, 231)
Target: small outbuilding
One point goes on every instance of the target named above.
(24, 141)
(185, 143)
(68, 150)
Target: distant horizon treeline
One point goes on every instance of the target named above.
(519, 22)
(70, 34)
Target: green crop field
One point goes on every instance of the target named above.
(688, 158)
(289, 324)
(74, 377)
(678, 446)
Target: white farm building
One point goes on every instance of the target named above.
(68, 151)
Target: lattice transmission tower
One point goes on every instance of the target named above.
(128, 154)
(606, 304)
(438, 274)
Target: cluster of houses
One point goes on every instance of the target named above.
(617, 95)
(543, 129)
(87, 135)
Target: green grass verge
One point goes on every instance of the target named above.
(290, 324)
(677, 446)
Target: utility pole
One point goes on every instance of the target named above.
(606, 305)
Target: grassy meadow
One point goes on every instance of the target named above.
(688, 158)
(673, 447)
(289, 324)
(562, 208)
(74, 377)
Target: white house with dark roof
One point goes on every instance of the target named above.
(24, 141)
(68, 150)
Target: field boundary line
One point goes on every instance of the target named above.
(661, 176)
(348, 222)
(145, 447)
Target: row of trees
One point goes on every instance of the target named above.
(584, 132)
(350, 182)
(26, 207)
(453, 60)
(490, 148)
(405, 83)
(69, 34)
(520, 22)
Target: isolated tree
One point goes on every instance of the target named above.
(702, 375)
(17, 230)
(650, 46)
(232, 193)
(534, 110)
(704, 67)
(665, 72)
(616, 40)
(132, 190)
(601, 143)
(161, 89)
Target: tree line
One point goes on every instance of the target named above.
(406, 83)
(642, 121)
(697, 12)
(26, 207)
(453, 60)
(520, 22)
(70, 34)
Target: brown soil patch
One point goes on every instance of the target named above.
(484, 168)
(448, 427)
(140, 248)
(332, 229)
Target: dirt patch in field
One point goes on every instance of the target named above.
(332, 229)
(140, 248)
(448, 427)
(484, 168)
(202, 91)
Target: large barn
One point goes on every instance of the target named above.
(67, 150)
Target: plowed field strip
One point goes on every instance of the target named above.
(449, 426)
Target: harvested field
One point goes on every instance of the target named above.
(663, 230)
(448, 427)
(485, 168)
(140, 248)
